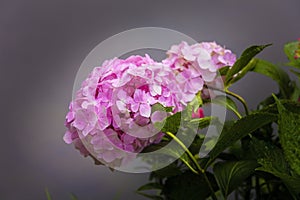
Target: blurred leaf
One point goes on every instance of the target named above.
(266, 68)
(243, 61)
(168, 171)
(289, 135)
(290, 50)
(48, 194)
(196, 145)
(202, 122)
(230, 175)
(228, 156)
(172, 151)
(188, 186)
(149, 196)
(240, 129)
(73, 197)
(296, 73)
(195, 103)
(192, 107)
(150, 186)
(155, 147)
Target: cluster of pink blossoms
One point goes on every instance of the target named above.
(197, 64)
(111, 115)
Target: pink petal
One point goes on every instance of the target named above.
(68, 137)
(121, 106)
(145, 110)
(135, 107)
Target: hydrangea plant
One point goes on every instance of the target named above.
(114, 116)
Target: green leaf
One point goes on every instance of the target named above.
(290, 50)
(272, 160)
(291, 106)
(240, 129)
(196, 145)
(230, 175)
(168, 171)
(296, 73)
(173, 151)
(243, 72)
(48, 194)
(188, 186)
(160, 107)
(195, 103)
(202, 122)
(223, 71)
(269, 156)
(227, 103)
(73, 197)
(171, 123)
(155, 147)
(243, 61)
(149, 196)
(289, 135)
(150, 186)
(277, 74)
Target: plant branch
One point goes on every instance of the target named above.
(240, 99)
(235, 96)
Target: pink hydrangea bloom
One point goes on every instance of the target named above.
(111, 116)
(197, 65)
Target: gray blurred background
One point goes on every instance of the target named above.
(42, 44)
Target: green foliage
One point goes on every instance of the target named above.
(230, 175)
(266, 68)
(289, 135)
(171, 123)
(223, 71)
(242, 62)
(188, 186)
(255, 159)
(73, 197)
(239, 130)
(48, 194)
(272, 160)
(150, 186)
(250, 158)
(269, 156)
(227, 102)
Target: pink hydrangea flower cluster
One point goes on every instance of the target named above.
(111, 116)
(197, 64)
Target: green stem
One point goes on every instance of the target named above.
(235, 96)
(236, 113)
(189, 166)
(240, 99)
(202, 171)
(186, 150)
